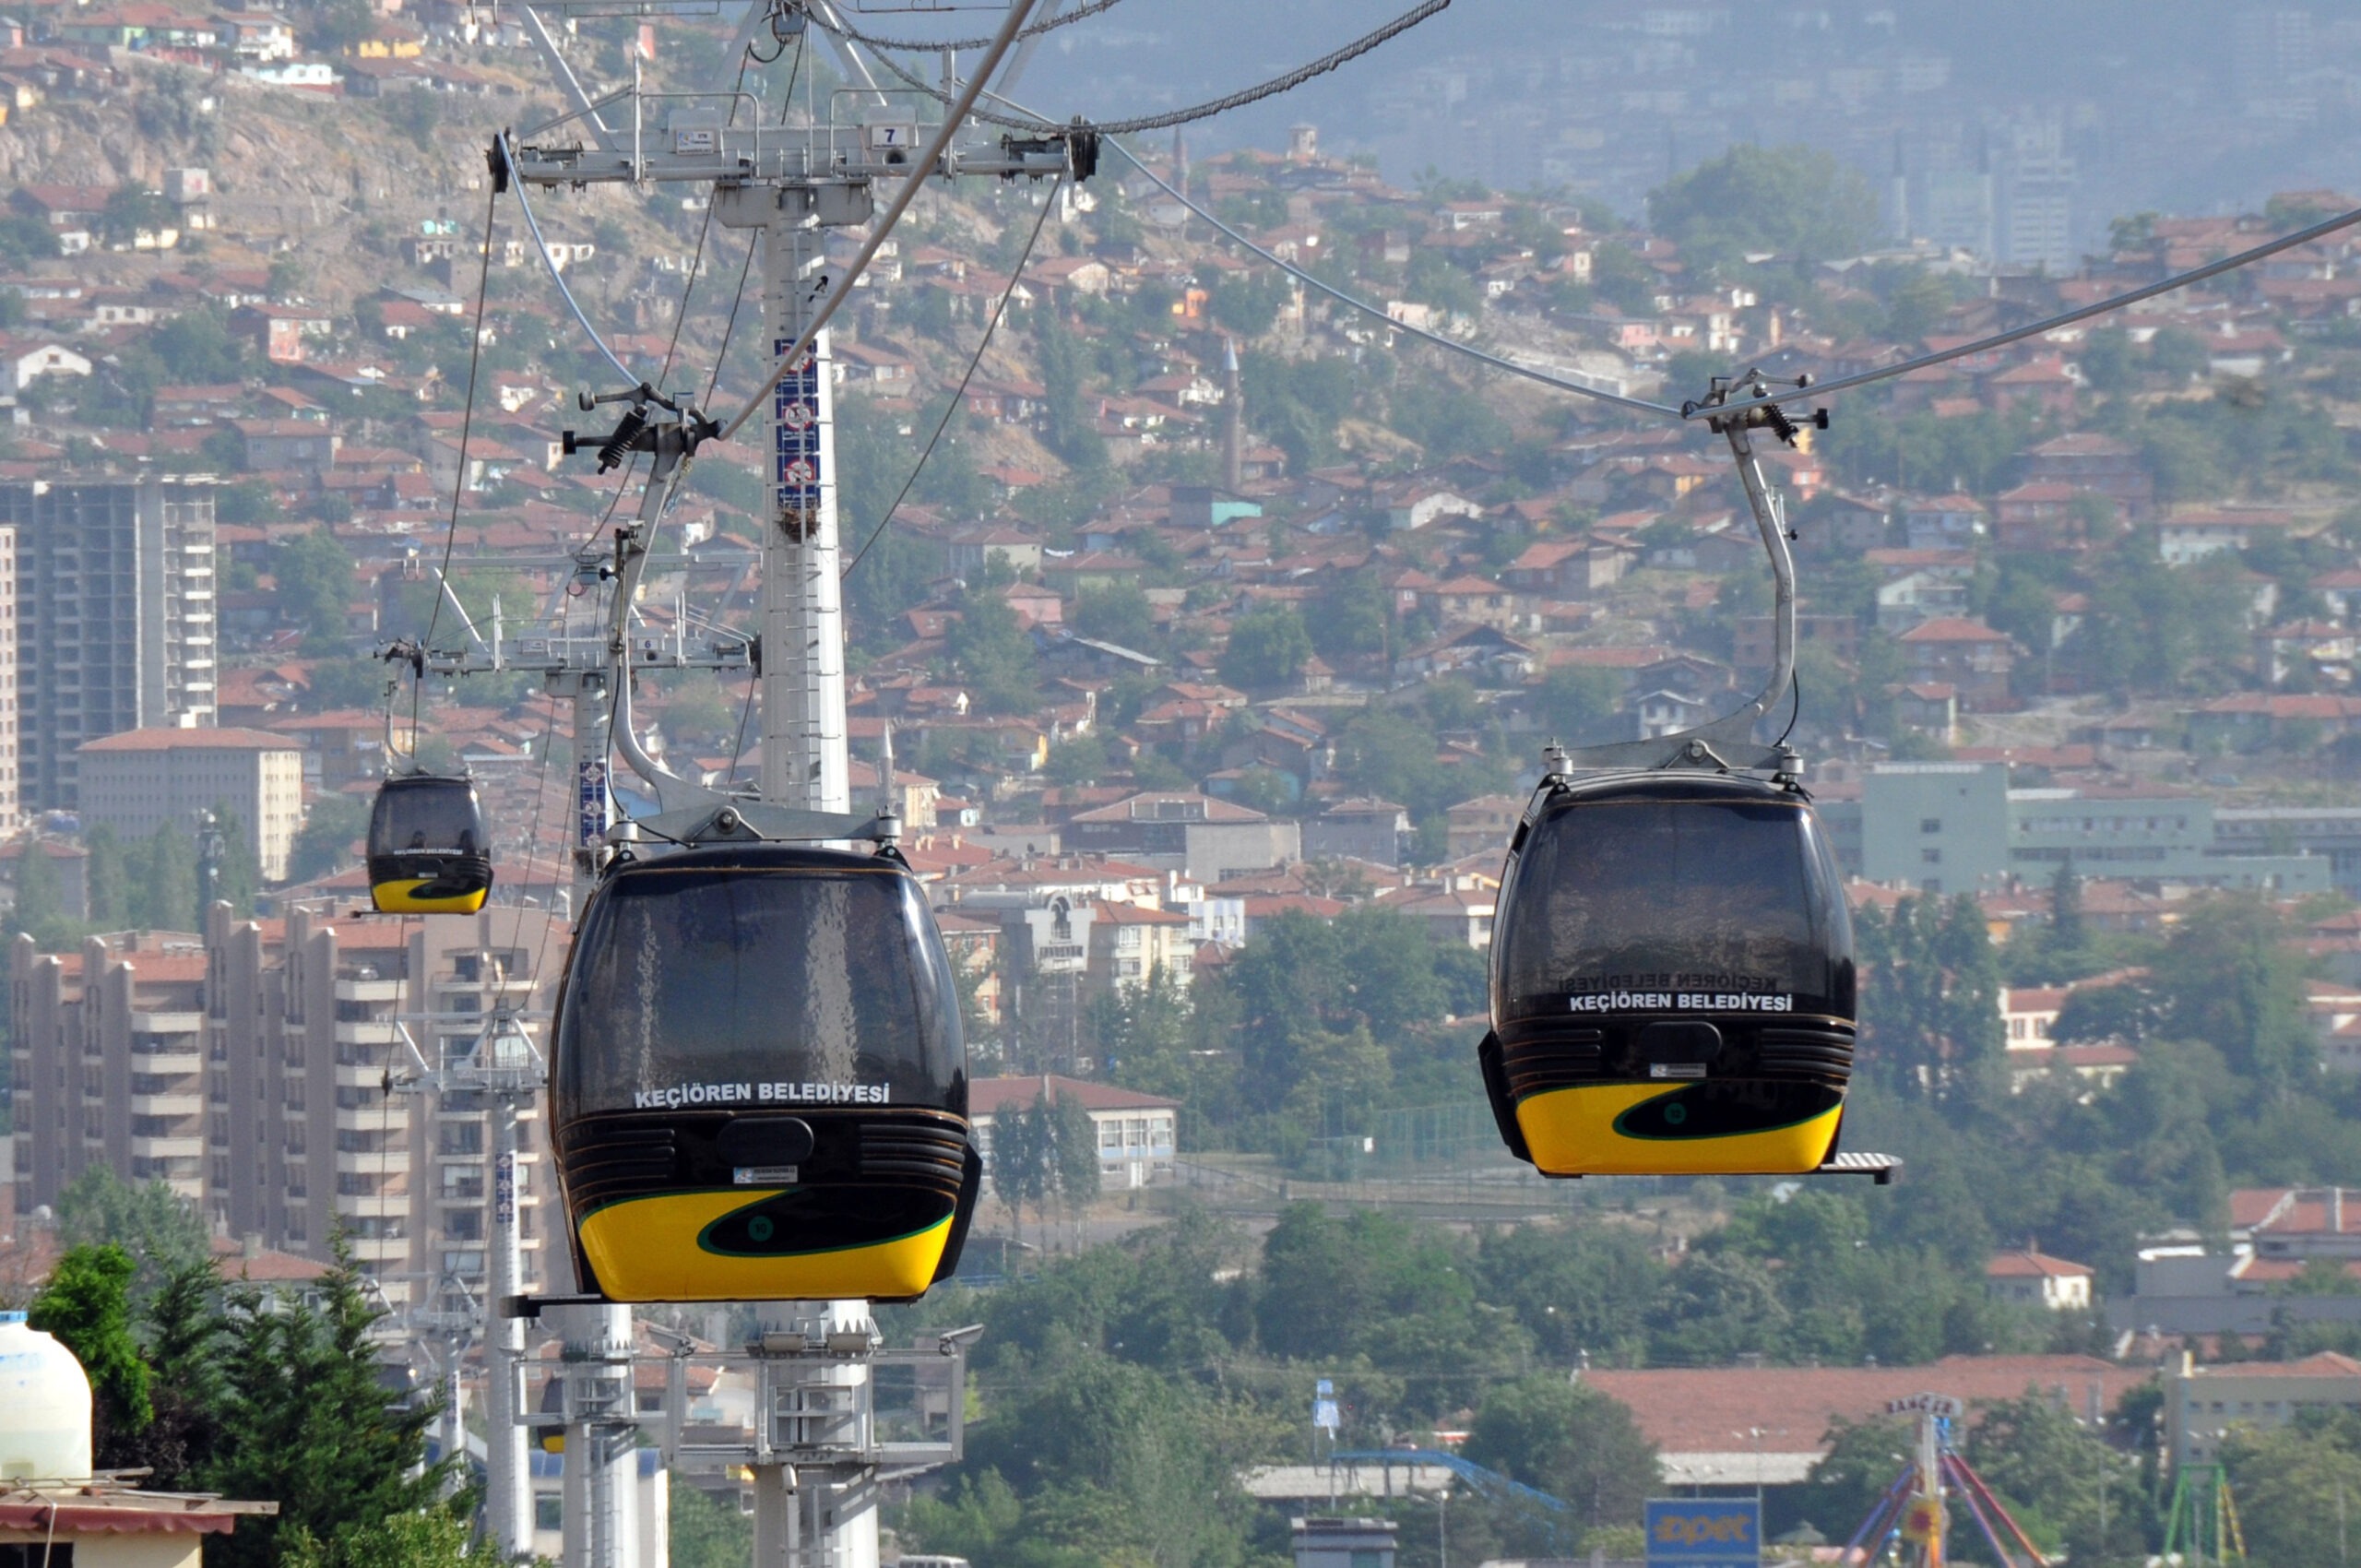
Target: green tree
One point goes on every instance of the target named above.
(2233, 978)
(1577, 702)
(1249, 302)
(2065, 1484)
(1114, 1463)
(1354, 618)
(1118, 613)
(107, 878)
(1145, 1033)
(993, 654)
(1862, 1461)
(1080, 759)
(1569, 1440)
(1578, 1291)
(307, 1422)
(315, 584)
(1268, 647)
(1073, 1153)
(87, 1304)
(1931, 1016)
(40, 903)
(183, 1330)
(2293, 1486)
(325, 845)
(1022, 1164)
(1449, 422)
(1071, 428)
(162, 879)
(134, 208)
(238, 873)
(436, 1537)
(706, 1533)
(1796, 201)
(161, 1231)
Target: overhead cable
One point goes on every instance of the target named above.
(959, 393)
(508, 150)
(1276, 85)
(922, 45)
(466, 425)
(2000, 340)
(1639, 405)
(1238, 99)
(928, 162)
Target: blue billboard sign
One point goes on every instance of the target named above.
(1704, 1532)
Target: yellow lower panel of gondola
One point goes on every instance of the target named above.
(402, 898)
(655, 1249)
(1645, 1130)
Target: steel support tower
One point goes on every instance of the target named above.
(816, 1462)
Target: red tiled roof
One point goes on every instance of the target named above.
(160, 740)
(1694, 1409)
(990, 1097)
(1952, 629)
(2030, 1265)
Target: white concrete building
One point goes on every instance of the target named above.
(138, 781)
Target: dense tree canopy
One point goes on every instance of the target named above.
(1794, 201)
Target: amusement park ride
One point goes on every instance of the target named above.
(756, 1078)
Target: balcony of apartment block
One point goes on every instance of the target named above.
(380, 1249)
(169, 1056)
(391, 1161)
(368, 989)
(189, 1187)
(372, 1206)
(189, 1101)
(390, 1117)
(174, 1145)
(491, 984)
(358, 1072)
(367, 1032)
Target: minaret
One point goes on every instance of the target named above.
(1180, 159)
(1233, 429)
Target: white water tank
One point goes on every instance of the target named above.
(44, 1407)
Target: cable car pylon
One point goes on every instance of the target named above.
(815, 1457)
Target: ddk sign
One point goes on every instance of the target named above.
(1704, 1532)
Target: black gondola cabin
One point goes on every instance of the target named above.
(428, 851)
(759, 1088)
(1671, 979)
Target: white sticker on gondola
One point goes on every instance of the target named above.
(827, 1093)
(764, 1175)
(1681, 1000)
(679, 1095)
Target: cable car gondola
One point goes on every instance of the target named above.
(428, 851)
(1672, 960)
(1672, 980)
(759, 1088)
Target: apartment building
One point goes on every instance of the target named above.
(11, 809)
(138, 781)
(1956, 826)
(2204, 1404)
(109, 1062)
(115, 628)
(247, 1068)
